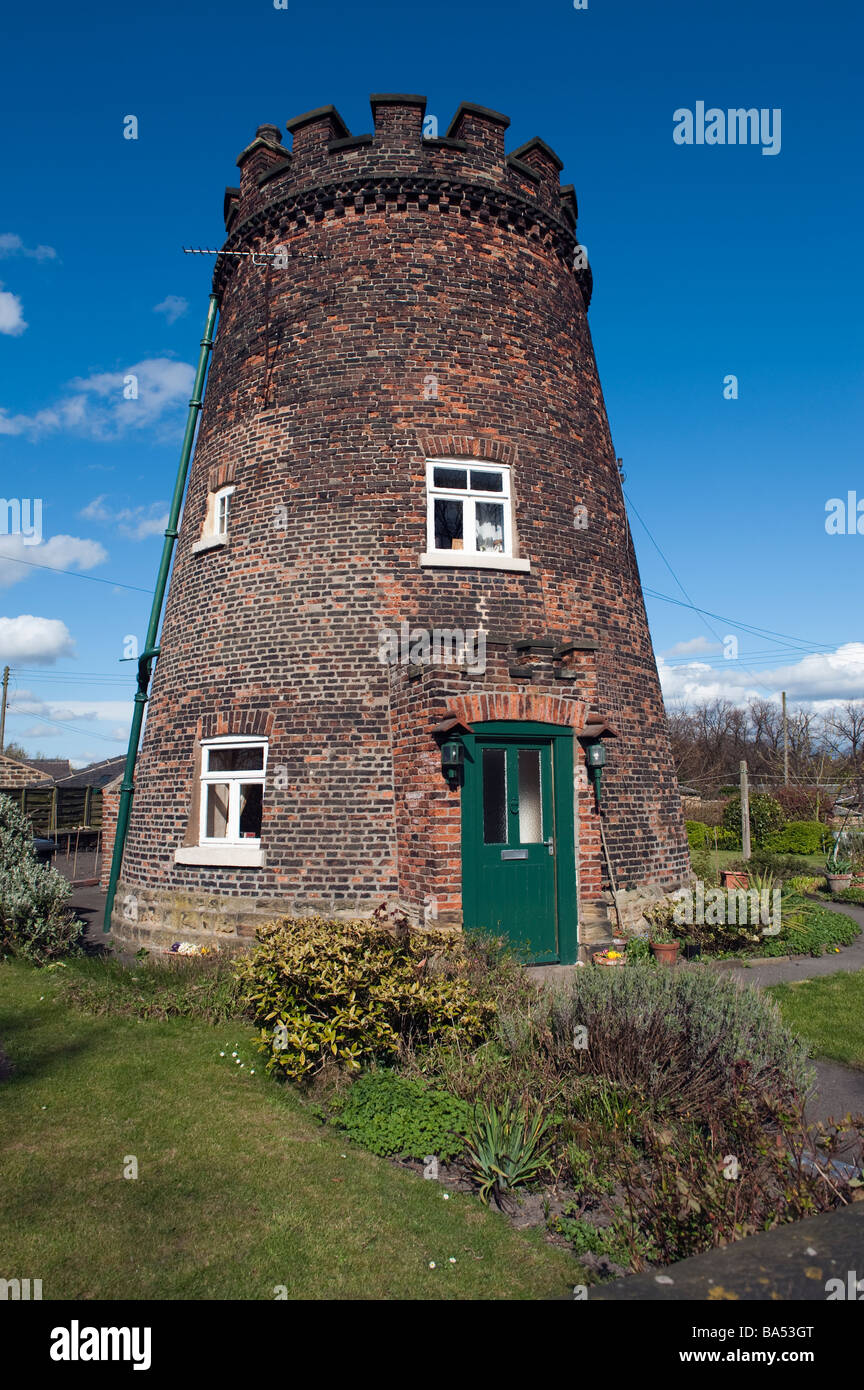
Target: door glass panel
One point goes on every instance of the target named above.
(490, 526)
(530, 810)
(448, 525)
(494, 796)
(216, 819)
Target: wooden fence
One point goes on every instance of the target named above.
(52, 809)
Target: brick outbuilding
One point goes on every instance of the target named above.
(405, 603)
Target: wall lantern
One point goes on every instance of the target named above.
(595, 757)
(452, 760)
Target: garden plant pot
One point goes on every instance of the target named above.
(602, 958)
(735, 878)
(665, 952)
(839, 882)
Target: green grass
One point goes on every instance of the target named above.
(239, 1189)
(828, 1013)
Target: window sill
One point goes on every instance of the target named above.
(209, 543)
(230, 856)
(489, 560)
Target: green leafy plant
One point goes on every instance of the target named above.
(587, 1238)
(355, 992)
(838, 867)
(804, 883)
(391, 1114)
(507, 1147)
(35, 920)
(766, 816)
(585, 1175)
(798, 837)
(638, 949)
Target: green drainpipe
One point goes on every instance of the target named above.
(151, 650)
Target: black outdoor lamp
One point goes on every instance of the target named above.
(595, 757)
(452, 760)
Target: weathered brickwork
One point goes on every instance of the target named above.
(401, 261)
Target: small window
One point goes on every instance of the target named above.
(222, 511)
(469, 509)
(215, 530)
(232, 791)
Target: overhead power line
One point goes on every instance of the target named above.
(73, 574)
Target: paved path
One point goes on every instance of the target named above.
(789, 1263)
(806, 967)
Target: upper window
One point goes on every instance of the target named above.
(469, 508)
(215, 531)
(232, 791)
(221, 510)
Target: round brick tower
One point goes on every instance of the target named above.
(405, 621)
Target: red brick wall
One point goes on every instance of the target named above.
(407, 258)
(110, 805)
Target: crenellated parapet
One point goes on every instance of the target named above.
(329, 172)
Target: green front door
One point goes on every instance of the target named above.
(517, 838)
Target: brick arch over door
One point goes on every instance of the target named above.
(512, 705)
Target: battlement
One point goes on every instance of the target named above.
(327, 167)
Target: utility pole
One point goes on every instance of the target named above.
(745, 812)
(785, 744)
(3, 708)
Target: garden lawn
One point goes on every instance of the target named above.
(828, 1012)
(239, 1189)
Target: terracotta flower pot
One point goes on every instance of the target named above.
(665, 952)
(735, 878)
(838, 882)
(601, 958)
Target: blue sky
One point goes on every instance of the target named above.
(708, 261)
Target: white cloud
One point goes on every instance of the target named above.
(74, 711)
(173, 306)
(11, 314)
(135, 522)
(60, 552)
(31, 639)
(819, 679)
(12, 245)
(97, 406)
(694, 646)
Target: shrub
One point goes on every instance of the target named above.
(390, 1114)
(764, 861)
(697, 1189)
(353, 992)
(766, 816)
(799, 837)
(681, 1038)
(701, 836)
(806, 803)
(35, 921)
